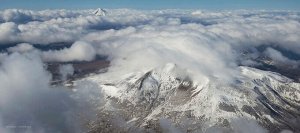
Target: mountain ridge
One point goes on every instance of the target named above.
(268, 98)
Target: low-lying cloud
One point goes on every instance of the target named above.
(66, 70)
(79, 51)
(22, 48)
(29, 104)
(280, 59)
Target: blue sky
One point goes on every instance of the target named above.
(152, 4)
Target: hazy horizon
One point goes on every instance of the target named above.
(154, 4)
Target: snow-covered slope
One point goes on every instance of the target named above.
(100, 12)
(256, 98)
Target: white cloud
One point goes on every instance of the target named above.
(142, 49)
(22, 48)
(14, 15)
(2, 56)
(22, 81)
(28, 100)
(66, 70)
(207, 43)
(22, 70)
(8, 32)
(79, 51)
(278, 58)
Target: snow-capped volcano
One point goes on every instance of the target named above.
(100, 12)
(256, 98)
(149, 70)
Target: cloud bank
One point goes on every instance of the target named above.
(78, 51)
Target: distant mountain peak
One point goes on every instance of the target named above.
(100, 12)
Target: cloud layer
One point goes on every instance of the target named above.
(78, 51)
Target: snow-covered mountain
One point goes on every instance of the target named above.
(100, 12)
(260, 99)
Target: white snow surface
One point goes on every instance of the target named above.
(206, 96)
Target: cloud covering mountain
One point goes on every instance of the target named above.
(208, 45)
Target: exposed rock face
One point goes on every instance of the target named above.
(260, 98)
